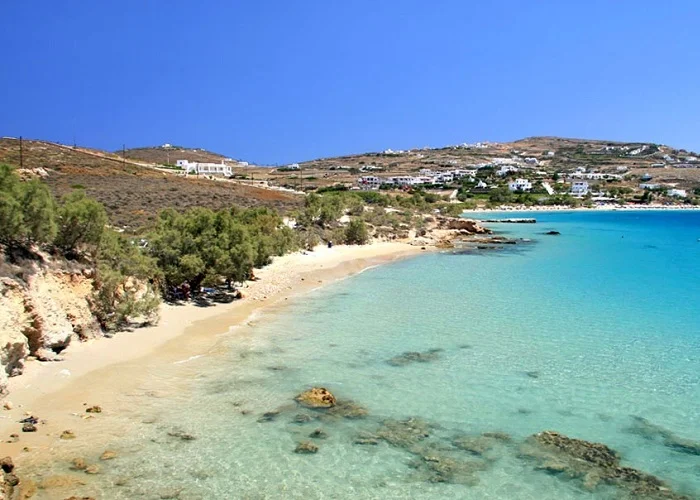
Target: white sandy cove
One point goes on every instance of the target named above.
(93, 370)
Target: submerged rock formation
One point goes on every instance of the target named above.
(648, 430)
(415, 357)
(592, 464)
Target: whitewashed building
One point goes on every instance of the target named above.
(579, 189)
(520, 185)
(369, 182)
(677, 193)
(649, 185)
(205, 168)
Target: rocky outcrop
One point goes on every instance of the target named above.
(42, 316)
(460, 224)
(592, 464)
(317, 397)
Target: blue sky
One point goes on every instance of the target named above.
(276, 82)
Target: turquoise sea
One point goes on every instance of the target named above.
(594, 333)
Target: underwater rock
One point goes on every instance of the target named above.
(51, 482)
(592, 463)
(182, 435)
(552, 233)
(170, 493)
(533, 374)
(500, 436)
(415, 357)
(318, 434)
(302, 418)
(108, 455)
(94, 409)
(92, 469)
(306, 447)
(346, 409)
(268, 416)
(477, 445)
(29, 427)
(653, 432)
(68, 434)
(317, 397)
(683, 445)
(11, 479)
(78, 464)
(366, 441)
(444, 469)
(404, 433)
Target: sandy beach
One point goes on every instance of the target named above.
(96, 372)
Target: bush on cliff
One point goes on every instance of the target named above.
(27, 211)
(81, 223)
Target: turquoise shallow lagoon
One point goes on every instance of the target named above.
(585, 333)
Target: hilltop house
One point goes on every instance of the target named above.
(205, 168)
(369, 182)
(579, 189)
(520, 185)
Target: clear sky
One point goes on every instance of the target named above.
(280, 81)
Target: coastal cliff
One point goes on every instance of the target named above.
(41, 315)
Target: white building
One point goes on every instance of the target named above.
(548, 187)
(550, 153)
(677, 193)
(368, 182)
(532, 161)
(293, 166)
(205, 168)
(520, 185)
(579, 189)
(649, 185)
(506, 169)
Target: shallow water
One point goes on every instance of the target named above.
(580, 333)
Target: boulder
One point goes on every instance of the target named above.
(78, 464)
(28, 427)
(318, 434)
(94, 409)
(460, 224)
(317, 397)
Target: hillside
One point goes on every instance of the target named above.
(131, 192)
(552, 154)
(168, 155)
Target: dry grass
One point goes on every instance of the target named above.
(132, 194)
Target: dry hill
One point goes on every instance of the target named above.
(168, 155)
(131, 192)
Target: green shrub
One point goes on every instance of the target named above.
(81, 222)
(356, 232)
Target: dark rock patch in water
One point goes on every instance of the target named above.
(592, 464)
(482, 445)
(318, 434)
(269, 416)
(345, 409)
(445, 469)
(533, 374)
(415, 357)
(404, 433)
(653, 432)
(306, 448)
(180, 434)
(302, 418)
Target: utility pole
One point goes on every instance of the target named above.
(21, 153)
(124, 154)
(301, 177)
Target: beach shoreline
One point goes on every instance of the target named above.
(95, 372)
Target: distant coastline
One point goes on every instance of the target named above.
(566, 208)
